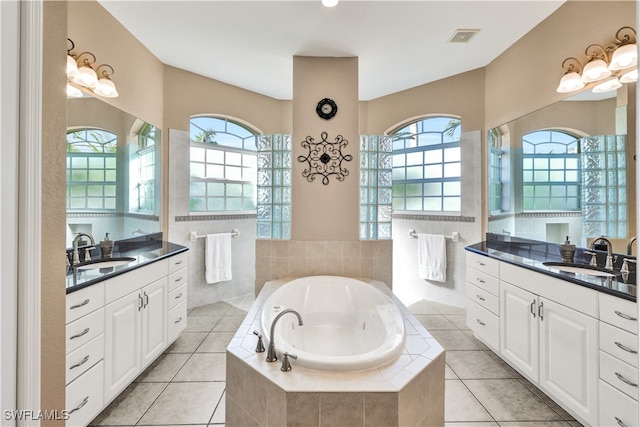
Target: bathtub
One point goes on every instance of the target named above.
(349, 325)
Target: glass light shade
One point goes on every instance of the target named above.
(73, 92)
(86, 77)
(624, 57)
(570, 82)
(72, 67)
(629, 77)
(329, 3)
(106, 88)
(595, 70)
(609, 85)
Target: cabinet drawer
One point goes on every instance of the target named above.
(177, 321)
(619, 343)
(177, 296)
(483, 298)
(483, 263)
(84, 396)
(615, 406)
(619, 312)
(84, 301)
(177, 262)
(83, 330)
(124, 284)
(177, 279)
(83, 358)
(484, 324)
(482, 280)
(622, 376)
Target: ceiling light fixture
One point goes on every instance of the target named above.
(330, 3)
(81, 72)
(607, 69)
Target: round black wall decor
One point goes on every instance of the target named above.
(326, 108)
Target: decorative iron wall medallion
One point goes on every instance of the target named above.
(325, 158)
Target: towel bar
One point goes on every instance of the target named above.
(195, 236)
(455, 236)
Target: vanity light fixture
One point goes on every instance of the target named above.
(81, 72)
(330, 3)
(607, 68)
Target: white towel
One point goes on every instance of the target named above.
(432, 257)
(217, 258)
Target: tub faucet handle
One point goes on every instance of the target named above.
(286, 365)
(260, 345)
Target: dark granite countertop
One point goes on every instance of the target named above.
(143, 251)
(532, 255)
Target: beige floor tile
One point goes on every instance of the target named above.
(535, 424)
(229, 324)
(218, 415)
(130, 405)
(218, 309)
(459, 320)
(187, 342)
(476, 365)
(423, 307)
(447, 309)
(201, 323)
(433, 322)
(203, 367)
(235, 311)
(215, 342)
(449, 374)
(164, 368)
(472, 424)
(456, 340)
(185, 403)
(510, 400)
(461, 405)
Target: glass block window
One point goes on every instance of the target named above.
(495, 171)
(274, 187)
(375, 187)
(427, 165)
(550, 171)
(144, 167)
(91, 170)
(223, 162)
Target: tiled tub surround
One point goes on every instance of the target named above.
(279, 259)
(406, 391)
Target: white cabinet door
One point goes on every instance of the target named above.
(569, 358)
(519, 329)
(122, 343)
(154, 320)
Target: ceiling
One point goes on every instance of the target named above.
(400, 44)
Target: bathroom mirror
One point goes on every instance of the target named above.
(113, 172)
(513, 175)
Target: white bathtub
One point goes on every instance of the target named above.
(348, 325)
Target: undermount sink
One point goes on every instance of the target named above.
(103, 263)
(581, 269)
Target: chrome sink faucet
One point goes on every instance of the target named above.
(630, 244)
(87, 256)
(271, 352)
(609, 263)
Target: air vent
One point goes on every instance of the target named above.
(463, 36)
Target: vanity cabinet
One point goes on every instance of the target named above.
(118, 327)
(553, 345)
(483, 306)
(618, 387)
(135, 334)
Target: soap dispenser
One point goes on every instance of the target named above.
(567, 251)
(106, 247)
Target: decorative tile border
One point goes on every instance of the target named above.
(95, 214)
(188, 218)
(439, 218)
(549, 214)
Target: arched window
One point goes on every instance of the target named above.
(550, 171)
(143, 171)
(222, 165)
(427, 165)
(91, 170)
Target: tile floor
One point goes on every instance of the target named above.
(185, 386)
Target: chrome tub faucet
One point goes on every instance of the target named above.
(271, 352)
